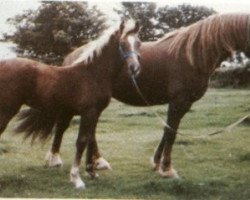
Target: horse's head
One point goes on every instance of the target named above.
(129, 45)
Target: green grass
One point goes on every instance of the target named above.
(211, 167)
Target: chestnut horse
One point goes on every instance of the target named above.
(56, 94)
(176, 70)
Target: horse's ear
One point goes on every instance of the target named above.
(137, 27)
(122, 25)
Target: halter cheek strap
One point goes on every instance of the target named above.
(126, 55)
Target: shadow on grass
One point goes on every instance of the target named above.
(245, 157)
(185, 189)
(146, 114)
(155, 189)
(6, 147)
(42, 182)
(35, 182)
(184, 142)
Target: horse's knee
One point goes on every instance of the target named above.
(81, 142)
(169, 135)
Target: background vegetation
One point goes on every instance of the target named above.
(56, 28)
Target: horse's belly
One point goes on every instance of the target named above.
(137, 97)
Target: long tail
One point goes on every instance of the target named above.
(35, 124)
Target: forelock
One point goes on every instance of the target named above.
(129, 28)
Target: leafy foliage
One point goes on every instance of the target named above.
(155, 22)
(55, 29)
(145, 13)
(182, 15)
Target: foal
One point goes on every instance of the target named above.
(56, 94)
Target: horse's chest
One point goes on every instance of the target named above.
(197, 88)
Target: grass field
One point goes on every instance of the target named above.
(211, 167)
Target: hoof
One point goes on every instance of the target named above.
(101, 164)
(76, 179)
(171, 173)
(155, 166)
(53, 160)
(92, 175)
(79, 184)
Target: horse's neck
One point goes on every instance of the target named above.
(235, 39)
(216, 59)
(104, 63)
(217, 53)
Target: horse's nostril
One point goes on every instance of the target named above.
(134, 69)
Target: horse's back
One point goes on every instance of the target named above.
(20, 65)
(18, 78)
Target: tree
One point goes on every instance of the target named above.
(171, 18)
(156, 22)
(145, 13)
(55, 29)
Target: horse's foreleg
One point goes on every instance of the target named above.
(86, 132)
(53, 158)
(156, 160)
(177, 110)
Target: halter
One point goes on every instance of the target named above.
(126, 55)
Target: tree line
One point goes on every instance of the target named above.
(57, 28)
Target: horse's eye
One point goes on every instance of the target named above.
(139, 57)
(138, 44)
(122, 44)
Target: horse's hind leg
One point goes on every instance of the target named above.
(53, 158)
(94, 158)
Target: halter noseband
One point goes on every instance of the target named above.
(126, 55)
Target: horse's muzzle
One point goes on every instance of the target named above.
(134, 69)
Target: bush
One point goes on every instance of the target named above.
(231, 76)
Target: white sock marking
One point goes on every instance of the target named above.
(75, 178)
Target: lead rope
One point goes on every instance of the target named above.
(188, 155)
(231, 126)
(227, 129)
(148, 104)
